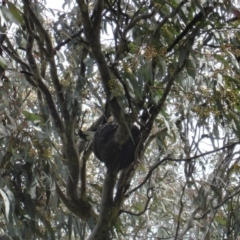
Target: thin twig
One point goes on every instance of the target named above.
(149, 197)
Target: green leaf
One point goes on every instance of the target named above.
(3, 64)
(3, 130)
(133, 82)
(32, 116)
(16, 13)
(6, 203)
(221, 59)
(221, 220)
(162, 65)
(61, 56)
(191, 68)
(8, 14)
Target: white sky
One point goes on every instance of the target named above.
(54, 4)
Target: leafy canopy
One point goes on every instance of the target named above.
(169, 67)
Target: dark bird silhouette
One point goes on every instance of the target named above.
(107, 150)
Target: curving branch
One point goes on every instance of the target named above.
(165, 18)
(180, 210)
(126, 176)
(237, 191)
(149, 197)
(80, 208)
(198, 18)
(137, 18)
(124, 85)
(189, 223)
(109, 212)
(158, 133)
(156, 165)
(63, 43)
(65, 128)
(49, 54)
(39, 82)
(92, 33)
(85, 157)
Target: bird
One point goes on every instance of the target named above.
(113, 154)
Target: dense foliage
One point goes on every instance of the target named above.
(171, 68)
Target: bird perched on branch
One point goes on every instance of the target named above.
(107, 150)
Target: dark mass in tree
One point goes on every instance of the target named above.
(107, 150)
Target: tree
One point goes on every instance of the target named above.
(168, 67)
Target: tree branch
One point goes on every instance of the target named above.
(149, 174)
(237, 191)
(189, 224)
(199, 17)
(93, 37)
(145, 207)
(39, 82)
(84, 159)
(80, 208)
(180, 210)
(109, 212)
(66, 132)
(126, 176)
(50, 57)
(165, 18)
(63, 43)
